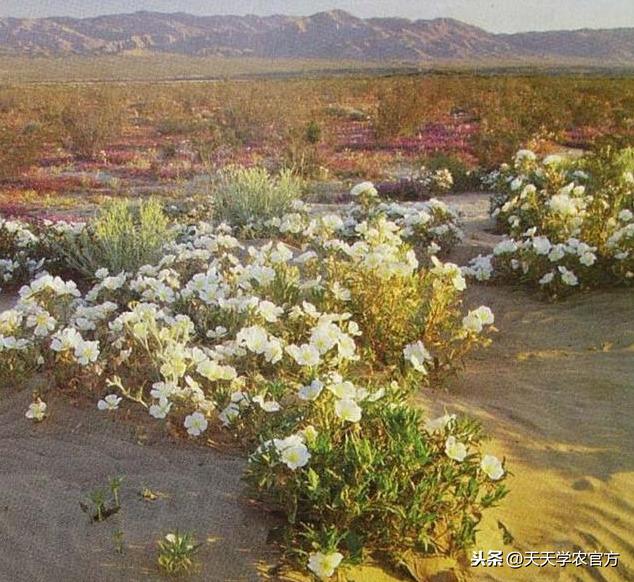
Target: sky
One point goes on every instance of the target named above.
(493, 15)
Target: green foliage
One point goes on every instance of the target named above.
(122, 237)
(464, 178)
(387, 487)
(246, 195)
(313, 132)
(176, 552)
(100, 507)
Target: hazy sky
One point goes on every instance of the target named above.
(494, 15)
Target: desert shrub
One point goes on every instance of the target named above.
(20, 148)
(20, 257)
(121, 238)
(244, 196)
(346, 112)
(464, 179)
(420, 185)
(399, 112)
(570, 222)
(301, 153)
(398, 486)
(313, 132)
(89, 125)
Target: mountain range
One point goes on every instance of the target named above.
(329, 35)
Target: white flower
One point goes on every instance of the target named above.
(67, 339)
(552, 160)
(110, 402)
(229, 414)
(588, 259)
(161, 409)
(339, 292)
(477, 319)
(324, 565)
(255, 338)
(324, 336)
(269, 311)
(542, 245)
(162, 390)
(43, 322)
(312, 391)
(342, 388)
(295, 455)
(417, 355)
(305, 355)
(273, 352)
(523, 155)
(504, 247)
(36, 411)
(547, 278)
(626, 215)
(196, 423)
(451, 271)
(363, 188)
(516, 184)
(266, 405)
(455, 450)
(492, 467)
(568, 277)
(348, 410)
(87, 352)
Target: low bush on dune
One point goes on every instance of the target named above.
(243, 196)
(570, 222)
(123, 237)
(306, 354)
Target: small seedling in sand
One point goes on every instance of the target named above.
(98, 510)
(176, 552)
(102, 507)
(115, 486)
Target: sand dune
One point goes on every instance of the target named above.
(556, 392)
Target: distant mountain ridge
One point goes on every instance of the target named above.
(326, 35)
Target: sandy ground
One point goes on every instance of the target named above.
(48, 468)
(555, 391)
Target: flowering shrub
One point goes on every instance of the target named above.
(420, 186)
(570, 222)
(28, 249)
(399, 484)
(306, 354)
(17, 244)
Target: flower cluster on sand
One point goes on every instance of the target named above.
(305, 346)
(570, 222)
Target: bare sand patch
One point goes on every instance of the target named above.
(48, 468)
(556, 393)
